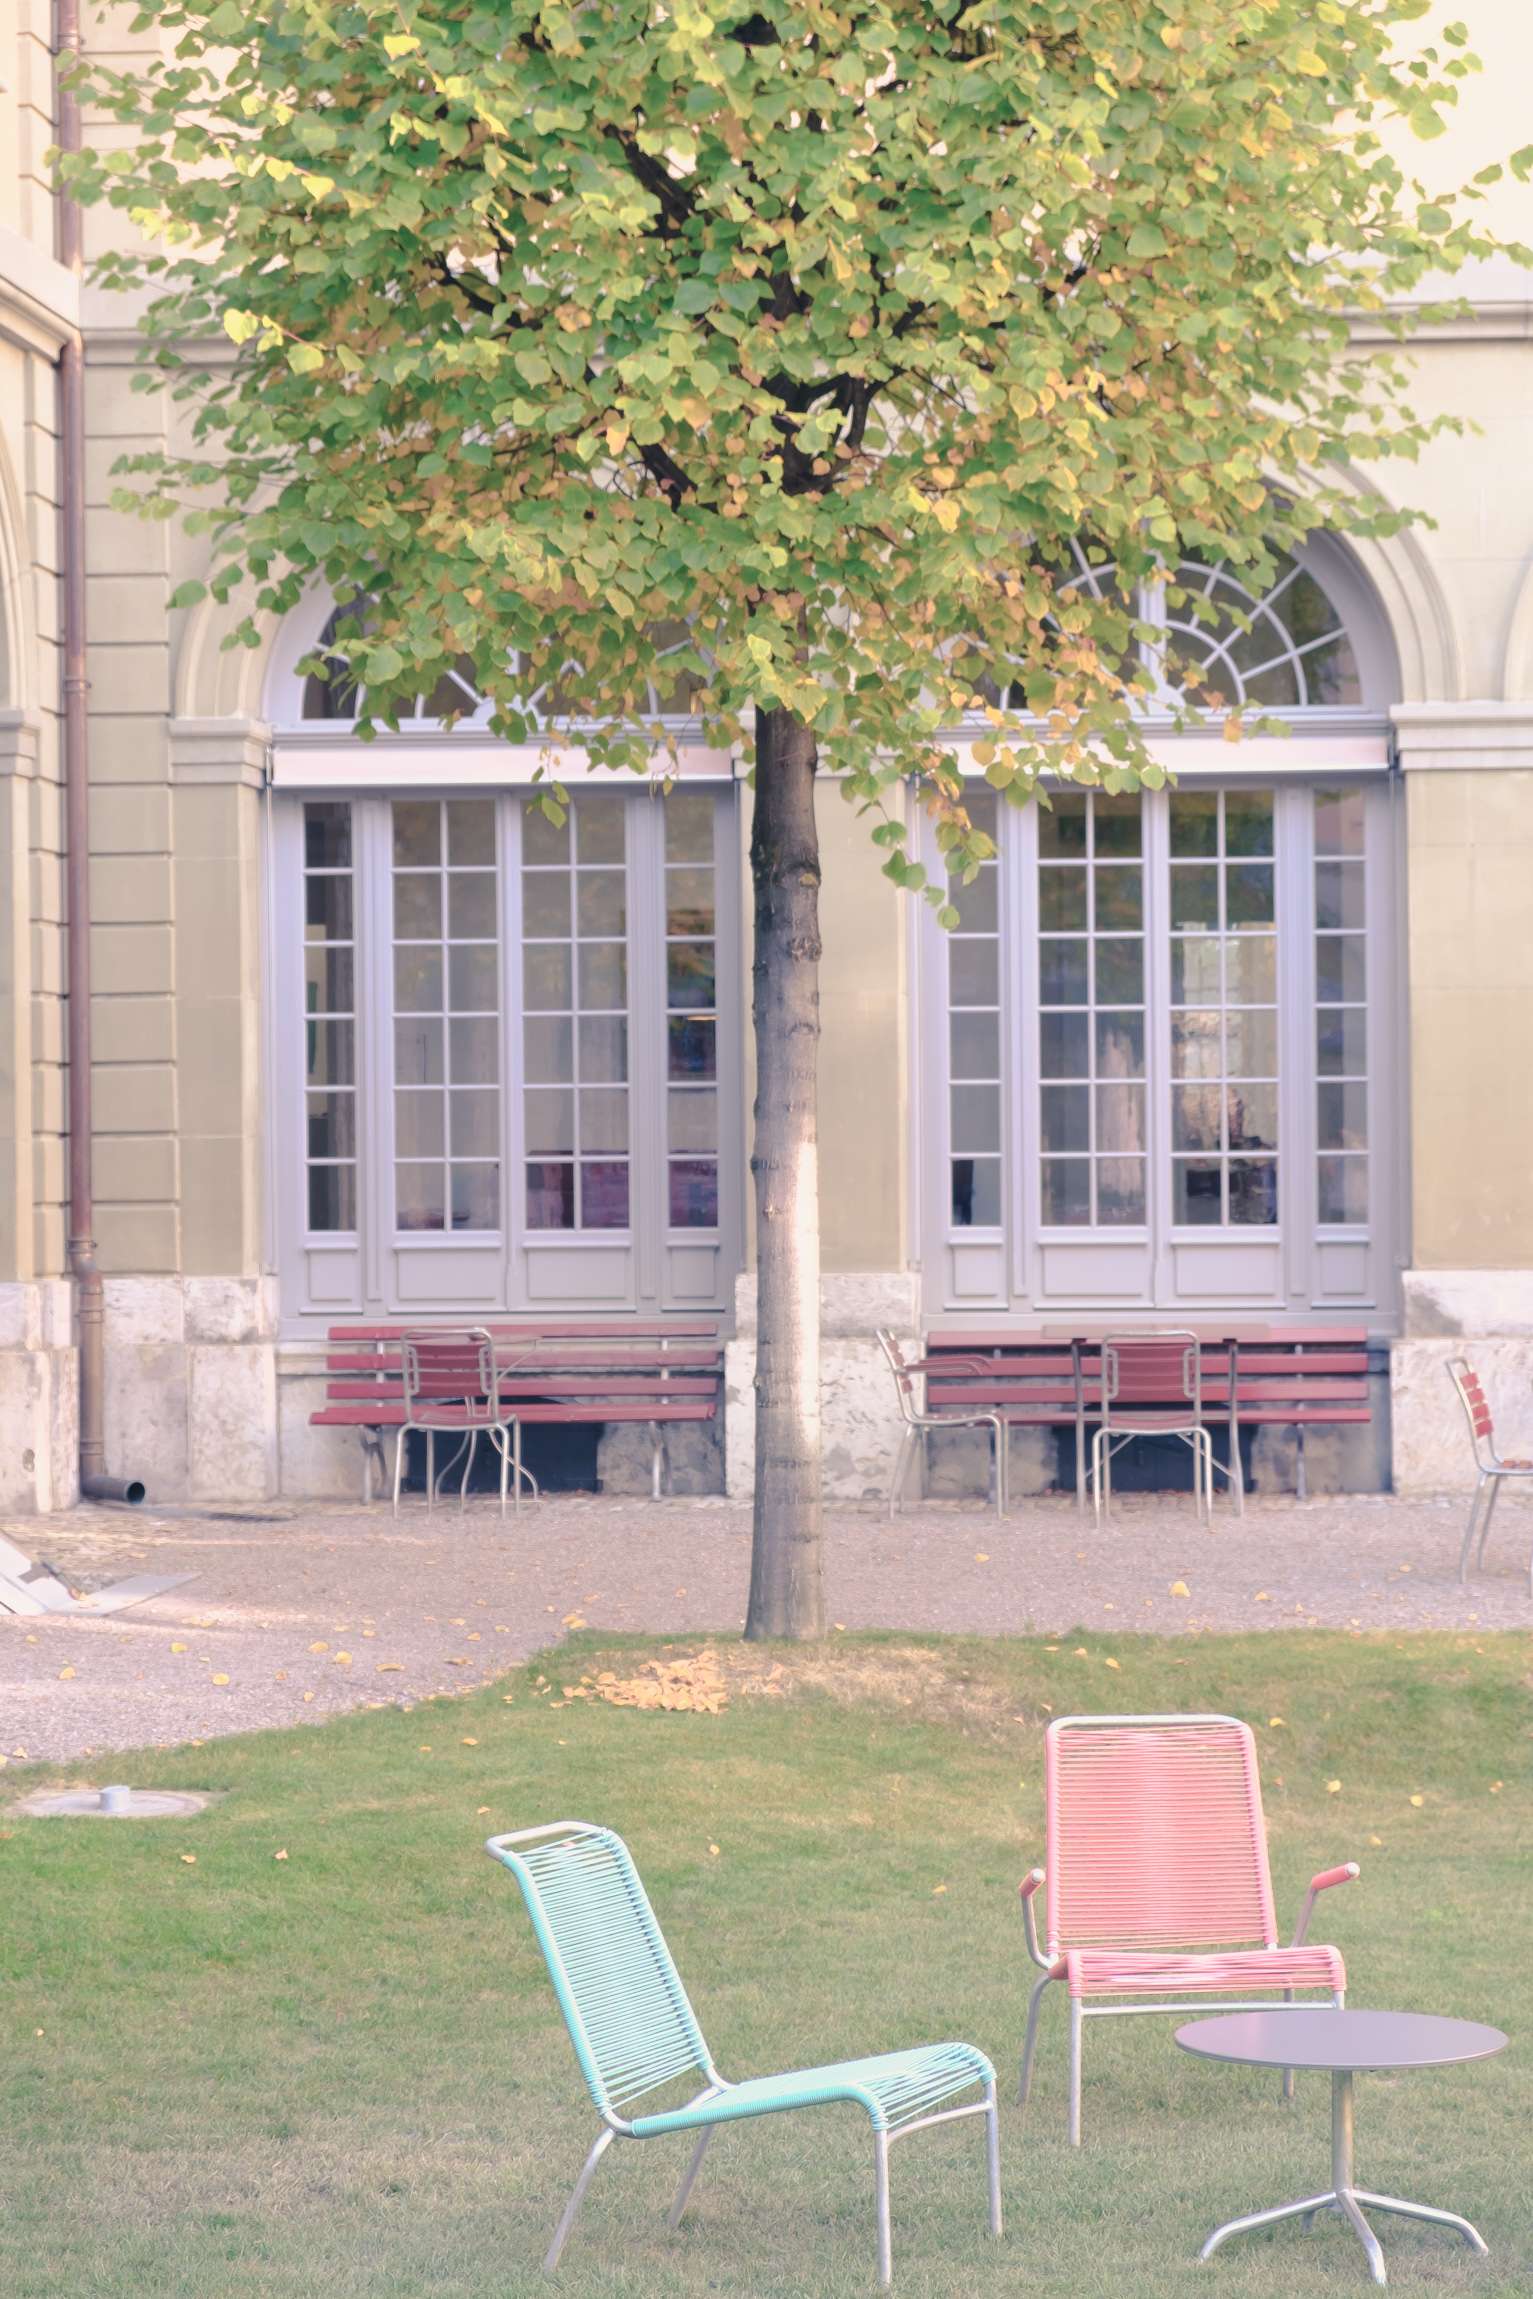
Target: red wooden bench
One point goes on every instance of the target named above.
(1298, 1376)
(567, 1373)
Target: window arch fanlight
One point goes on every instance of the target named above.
(334, 698)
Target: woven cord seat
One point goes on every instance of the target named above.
(1109, 1972)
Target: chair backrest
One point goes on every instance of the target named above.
(910, 1403)
(448, 1364)
(1150, 1372)
(1155, 1834)
(1471, 1395)
(622, 1998)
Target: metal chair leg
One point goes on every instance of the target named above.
(516, 1441)
(881, 2208)
(901, 1469)
(503, 1448)
(567, 2221)
(430, 1468)
(694, 2166)
(470, 1449)
(1077, 2039)
(1492, 1497)
(1030, 2038)
(1469, 1529)
(993, 2156)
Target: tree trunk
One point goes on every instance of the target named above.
(787, 1590)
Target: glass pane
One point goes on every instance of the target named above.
(1341, 1041)
(417, 906)
(471, 906)
(689, 975)
(689, 826)
(328, 978)
(333, 1197)
(1339, 894)
(976, 904)
(545, 904)
(1343, 1189)
(1065, 1117)
(418, 1124)
(474, 1051)
(1250, 970)
(1194, 969)
(604, 1119)
(1066, 1191)
(1063, 1045)
(691, 1050)
(599, 828)
(1120, 898)
(1120, 973)
(420, 1197)
(689, 902)
(332, 1051)
(1195, 1191)
(1250, 1042)
(1195, 1116)
(548, 1051)
(1120, 1045)
(327, 836)
(601, 901)
(1195, 1044)
(1338, 822)
(1120, 1191)
(1341, 973)
(973, 973)
(550, 1195)
(546, 977)
(1252, 1117)
(473, 975)
(976, 1192)
(603, 1049)
(1249, 894)
(332, 1125)
(976, 1046)
(1195, 894)
(1253, 1191)
(544, 841)
(475, 1121)
(417, 980)
(418, 1053)
(327, 909)
(476, 1197)
(1247, 822)
(550, 1118)
(1062, 825)
(1120, 1118)
(471, 833)
(694, 1117)
(1062, 972)
(976, 1117)
(1342, 1117)
(1194, 822)
(417, 832)
(1062, 899)
(1117, 823)
(694, 1193)
(603, 976)
(604, 1193)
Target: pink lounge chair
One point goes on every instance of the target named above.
(1158, 1883)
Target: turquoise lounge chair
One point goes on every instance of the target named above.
(634, 2031)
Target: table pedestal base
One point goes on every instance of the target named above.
(1346, 2198)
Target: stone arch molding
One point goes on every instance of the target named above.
(1517, 669)
(218, 682)
(1411, 601)
(18, 651)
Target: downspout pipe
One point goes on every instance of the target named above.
(95, 1484)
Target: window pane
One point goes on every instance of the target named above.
(545, 904)
(973, 973)
(1342, 1117)
(329, 978)
(1195, 1044)
(1341, 973)
(418, 1053)
(1194, 822)
(420, 1199)
(418, 1125)
(1338, 822)
(417, 833)
(1195, 895)
(976, 1046)
(604, 1193)
(1066, 1191)
(327, 909)
(550, 1195)
(548, 1051)
(1250, 970)
(1064, 1046)
(600, 827)
(1196, 1112)
(976, 1117)
(471, 833)
(691, 1047)
(694, 1193)
(473, 976)
(333, 1197)
(544, 841)
(1249, 894)
(1339, 894)
(601, 902)
(1247, 822)
(603, 976)
(689, 826)
(976, 1192)
(1065, 1117)
(327, 835)
(694, 1117)
(1120, 973)
(1252, 1116)
(976, 904)
(1341, 1041)
(1120, 1045)
(1195, 976)
(1120, 1191)
(1062, 825)
(1253, 1191)
(1120, 1118)
(1062, 899)
(332, 1053)
(1250, 1042)
(603, 1049)
(332, 1125)
(475, 1196)
(474, 1050)
(604, 1118)
(1120, 898)
(1195, 1192)
(475, 1122)
(471, 906)
(550, 1121)
(689, 901)
(689, 975)
(1062, 973)
(1343, 1189)
(417, 906)
(417, 980)
(1116, 823)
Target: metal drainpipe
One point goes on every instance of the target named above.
(95, 1484)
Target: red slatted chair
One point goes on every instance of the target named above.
(1152, 1386)
(451, 1386)
(1490, 1468)
(1158, 1883)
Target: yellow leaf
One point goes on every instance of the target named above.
(480, 1810)
(220, 1679)
(1261, 1598)
(63, 1672)
(1333, 1788)
(469, 1742)
(1273, 1723)
(936, 1888)
(1110, 1663)
(342, 1659)
(178, 1648)
(982, 1556)
(713, 1851)
(1079, 1653)
(308, 1696)
(398, 44)
(1309, 64)
(1179, 1589)
(384, 1667)
(1377, 1842)
(1496, 1787)
(188, 1859)
(320, 1647)
(946, 513)
(1418, 1800)
(279, 1855)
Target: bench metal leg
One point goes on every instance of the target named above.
(399, 1465)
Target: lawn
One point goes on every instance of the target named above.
(322, 2057)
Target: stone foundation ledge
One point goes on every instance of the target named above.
(39, 1398)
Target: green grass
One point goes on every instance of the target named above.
(344, 2073)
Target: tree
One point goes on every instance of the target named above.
(819, 327)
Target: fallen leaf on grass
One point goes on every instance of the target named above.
(938, 1888)
(468, 1742)
(1273, 1723)
(1496, 1787)
(308, 1696)
(713, 1851)
(187, 1859)
(1377, 1842)
(1418, 1801)
(1333, 1788)
(694, 1682)
(279, 1855)
(1111, 1664)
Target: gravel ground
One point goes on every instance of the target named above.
(298, 1612)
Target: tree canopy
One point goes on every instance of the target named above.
(821, 328)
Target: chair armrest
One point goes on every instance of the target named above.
(1030, 1884)
(971, 1368)
(1347, 1873)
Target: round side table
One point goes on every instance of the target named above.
(1312, 2036)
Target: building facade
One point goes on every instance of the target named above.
(373, 1039)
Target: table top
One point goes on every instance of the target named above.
(1315, 2036)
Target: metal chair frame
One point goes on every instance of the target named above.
(1051, 1956)
(635, 2032)
(1118, 1351)
(1490, 1468)
(917, 1422)
(451, 1386)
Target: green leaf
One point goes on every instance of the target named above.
(188, 594)
(305, 358)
